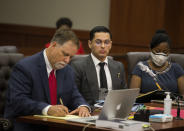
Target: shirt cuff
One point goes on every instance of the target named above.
(45, 110)
(87, 107)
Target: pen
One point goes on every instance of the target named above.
(158, 86)
(61, 101)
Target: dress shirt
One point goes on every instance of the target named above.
(107, 72)
(49, 69)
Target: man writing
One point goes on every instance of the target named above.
(40, 82)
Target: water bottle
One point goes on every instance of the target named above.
(167, 104)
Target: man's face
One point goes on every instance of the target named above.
(100, 45)
(60, 55)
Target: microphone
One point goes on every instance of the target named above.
(147, 70)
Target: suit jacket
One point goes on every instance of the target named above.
(86, 77)
(28, 91)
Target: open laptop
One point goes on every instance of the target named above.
(118, 104)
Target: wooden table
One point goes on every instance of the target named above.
(57, 124)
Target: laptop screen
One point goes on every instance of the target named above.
(118, 103)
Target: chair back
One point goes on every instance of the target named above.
(7, 61)
(8, 49)
(79, 57)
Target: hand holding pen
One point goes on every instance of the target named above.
(58, 110)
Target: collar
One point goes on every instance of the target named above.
(97, 61)
(48, 65)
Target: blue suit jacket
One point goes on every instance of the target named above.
(28, 91)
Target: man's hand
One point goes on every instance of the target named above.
(82, 111)
(58, 110)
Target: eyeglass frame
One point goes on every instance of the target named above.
(106, 42)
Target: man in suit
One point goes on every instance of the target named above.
(88, 71)
(44, 84)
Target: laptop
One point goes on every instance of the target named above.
(117, 105)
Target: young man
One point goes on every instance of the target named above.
(44, 83)
(96, 73)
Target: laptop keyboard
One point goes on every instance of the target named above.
(90, 118)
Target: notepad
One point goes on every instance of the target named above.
(56, 117)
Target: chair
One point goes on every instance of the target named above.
(134, 57)
(7, 61)
(8, 49)
(78, 57)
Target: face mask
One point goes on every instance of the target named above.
(60, 65)
(159, 58)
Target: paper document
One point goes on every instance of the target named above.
(56, 117)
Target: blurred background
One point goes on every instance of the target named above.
(30, 24)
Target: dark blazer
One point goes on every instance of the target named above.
(28, 91)
(86, 77)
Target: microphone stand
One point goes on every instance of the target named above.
(178, 108)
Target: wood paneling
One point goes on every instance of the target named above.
(174, 22)
(134, 22)
(31, 39)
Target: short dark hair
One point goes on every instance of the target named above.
(63, 21)
(99, 29)
(63, 35)
(159, 37)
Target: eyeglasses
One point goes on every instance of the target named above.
(99, 42)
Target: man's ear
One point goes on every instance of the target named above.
(89, 44)
(53, 44)
(110, 45)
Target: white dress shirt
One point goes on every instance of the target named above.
(49, 69)
(107, 72)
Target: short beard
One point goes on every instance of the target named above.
(59, 65)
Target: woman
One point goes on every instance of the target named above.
(158, 72)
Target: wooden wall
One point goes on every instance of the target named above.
(133, 22)
(31, 39)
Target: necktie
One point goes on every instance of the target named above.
(53, 88)
(103, 79)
